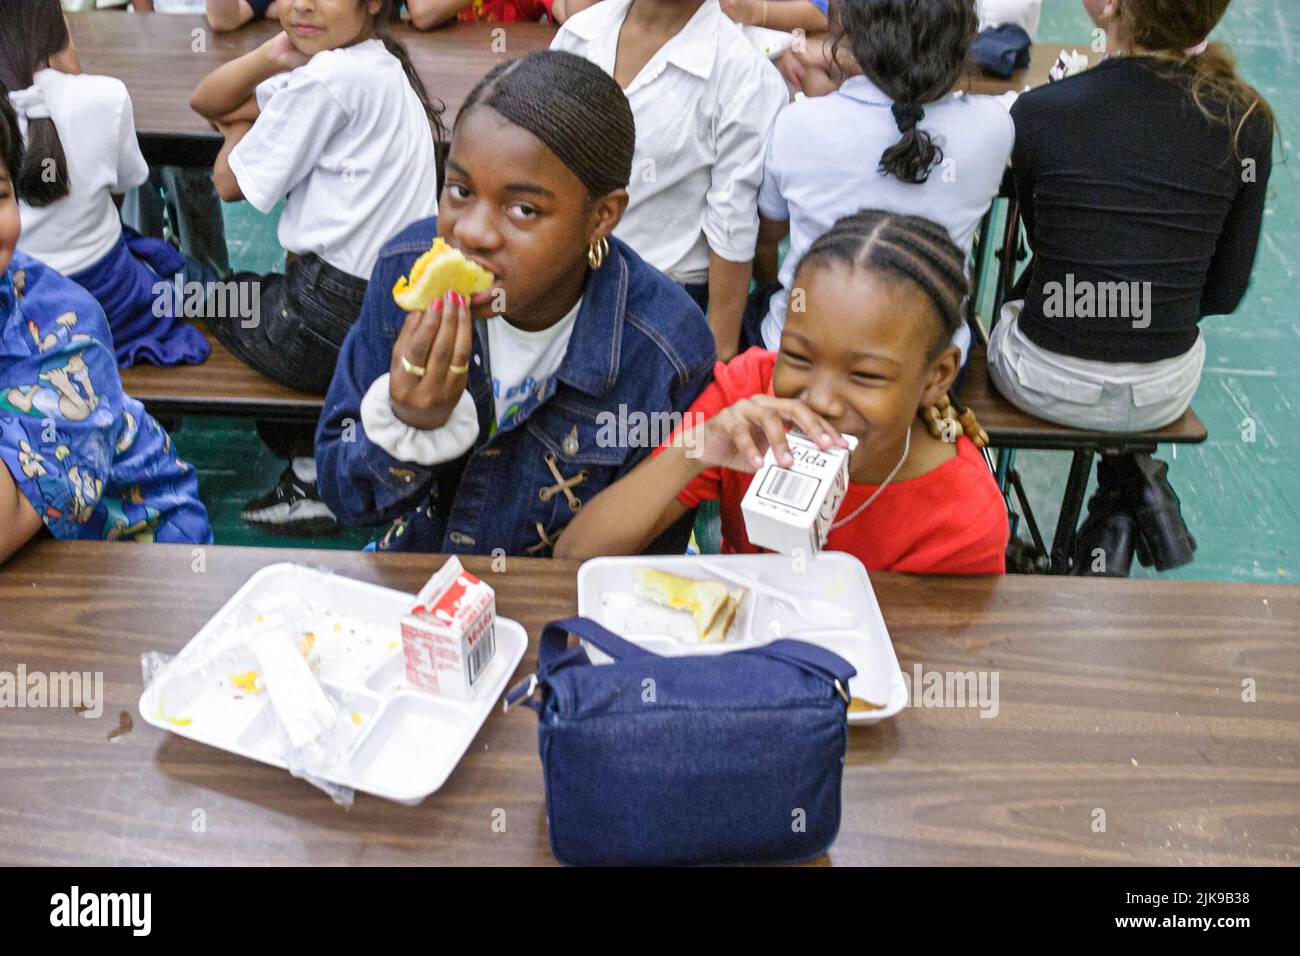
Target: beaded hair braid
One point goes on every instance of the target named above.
(571, 105)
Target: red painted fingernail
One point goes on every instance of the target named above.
(437, 306)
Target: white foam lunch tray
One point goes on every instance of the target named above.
(406, 742)
(605, 586)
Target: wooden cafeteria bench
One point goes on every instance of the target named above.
(223, 385)
(1010, 428)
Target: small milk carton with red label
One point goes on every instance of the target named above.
(449, 635)
(788, 510)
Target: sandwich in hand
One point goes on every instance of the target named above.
(440, 270)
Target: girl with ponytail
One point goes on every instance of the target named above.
(81, 156)
(1142, 184)
(891, 138)
(330, 117)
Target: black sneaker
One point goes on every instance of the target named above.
(291, 508)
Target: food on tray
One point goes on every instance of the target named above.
(711, 603)
(310, 653)
(440, 270)
(858, 705)
(249, 681)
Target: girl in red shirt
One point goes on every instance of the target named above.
(866, 345)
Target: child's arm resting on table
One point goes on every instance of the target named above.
(19, 522)
(231, 85)
(632, 512)
(430, 14)
(787, 15)
(227, 97)
(227, 15)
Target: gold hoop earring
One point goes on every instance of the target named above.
(597, 251)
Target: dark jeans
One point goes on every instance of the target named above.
(301, 321)
(699, 291)
(751, 323)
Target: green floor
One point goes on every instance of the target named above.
(1241, 498)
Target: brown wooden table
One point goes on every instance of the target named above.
(1120, 695)
(161, 59)
(155, 56)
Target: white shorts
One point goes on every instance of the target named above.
(1085, 393)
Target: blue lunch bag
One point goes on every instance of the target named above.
(653, 760)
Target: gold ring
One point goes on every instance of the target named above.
(416, 370)
(458, 369)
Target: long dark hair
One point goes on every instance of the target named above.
(11, 142)
(390, 12)
(32, 31)
(1169, 29)
(915, 51)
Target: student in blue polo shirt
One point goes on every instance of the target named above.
(891, 138)
(482, 426)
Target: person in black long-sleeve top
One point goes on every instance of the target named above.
(1122, 178)
(1142, 183)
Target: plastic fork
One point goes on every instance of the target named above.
(814, 610)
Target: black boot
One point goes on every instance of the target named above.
(1163, 537)
(1104, 544)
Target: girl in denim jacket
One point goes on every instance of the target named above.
(482, 425)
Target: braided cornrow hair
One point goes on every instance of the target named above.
(907, 247)
(571, 105)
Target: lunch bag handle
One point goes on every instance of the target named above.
(553, 650)
(555, 638)
(553, 647)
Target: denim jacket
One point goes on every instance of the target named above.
(640, 348)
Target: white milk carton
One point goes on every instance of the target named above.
(449, 634)
(791, 509)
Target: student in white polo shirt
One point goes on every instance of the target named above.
(331, 117)
(892, 139)
(704, 100)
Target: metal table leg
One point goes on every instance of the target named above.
(1071, 506)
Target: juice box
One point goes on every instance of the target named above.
(449, 634)
(791, 509)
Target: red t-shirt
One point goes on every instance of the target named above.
(951, 520)
(506, 11)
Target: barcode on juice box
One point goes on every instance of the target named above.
(480, 655)
(789, 488)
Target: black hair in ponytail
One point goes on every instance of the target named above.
(32, 31)
(390, 12)
(915, 51)
(906, 247)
